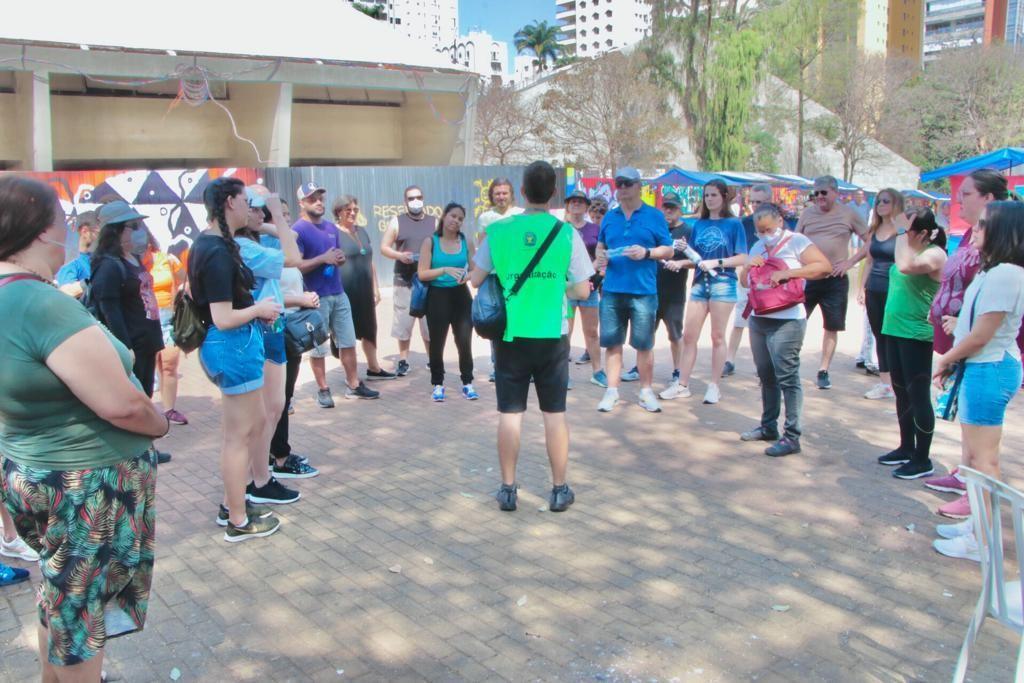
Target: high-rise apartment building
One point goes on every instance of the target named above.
(435, 22)
(479, 52)
(953, 24)
(593, 27)
(893, 28)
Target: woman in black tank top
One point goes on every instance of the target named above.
(874, 285)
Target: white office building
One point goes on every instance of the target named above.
(480, 53)
(593, 27)
(432, 21)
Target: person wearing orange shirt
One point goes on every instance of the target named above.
(168, 276)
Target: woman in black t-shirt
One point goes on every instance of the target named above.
(232, 354)
(121, 289)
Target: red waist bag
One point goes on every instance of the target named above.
(766, 297)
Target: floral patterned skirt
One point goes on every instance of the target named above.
(95, 532)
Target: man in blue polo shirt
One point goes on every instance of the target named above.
(634, 237)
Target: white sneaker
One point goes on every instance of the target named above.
(648, 401)
(879, 392)
(17, 548)
(957, 530)
(675, 390)
(963, 547)
(712, 395)
(611, 397)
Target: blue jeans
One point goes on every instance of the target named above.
(637, 311)
(714, 288)
(986, 391)
(776, 347)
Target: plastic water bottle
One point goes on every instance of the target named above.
(692, 254)
(617, 251)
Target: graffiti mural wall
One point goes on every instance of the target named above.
(172, 200)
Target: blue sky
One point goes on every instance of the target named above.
(502, 18)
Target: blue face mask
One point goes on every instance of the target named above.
(140, 241)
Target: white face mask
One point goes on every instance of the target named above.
(415, 206)
(773, 239)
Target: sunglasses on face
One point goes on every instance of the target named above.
(820, 193)
(414, 197)
(601, 211)
(623, 182)
(885, 200)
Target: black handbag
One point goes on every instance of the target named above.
(418, 297)
(304, 330)
(489, 307)
(187, 328)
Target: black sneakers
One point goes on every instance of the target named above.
(294, 468)
(896, 457)
(823, 380)
(251, 510)
(324, 398)
(402, 369)
(784, 446)
(361, 391)
(380, 374)
(729, 369)
(271, 493)
(914, 470)
(561, 498)
(507, 496)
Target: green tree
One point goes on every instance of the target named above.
(800, 32)
(707, 53)
(540, 39)
(375, 10)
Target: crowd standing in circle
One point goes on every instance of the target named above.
(621, 270)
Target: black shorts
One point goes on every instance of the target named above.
(670, 312)
(364, 314)
(546, 361)
(832, 294)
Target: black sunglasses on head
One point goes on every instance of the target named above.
(625, 182)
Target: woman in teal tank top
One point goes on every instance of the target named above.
(908, 334)
(444, 265)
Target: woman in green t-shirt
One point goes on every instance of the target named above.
(75, 431)
(908, 336)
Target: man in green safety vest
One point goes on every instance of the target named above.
(535, 346)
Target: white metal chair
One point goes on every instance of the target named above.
(999, 598)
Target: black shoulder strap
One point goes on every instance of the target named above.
(521, 280)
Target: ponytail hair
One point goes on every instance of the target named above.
(215, 197)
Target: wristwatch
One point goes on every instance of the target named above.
(721, 263)
(647, 253)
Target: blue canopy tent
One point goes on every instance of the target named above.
(1001, 160)
(678, 176)
(921, 194)
(747, 178)
(799, 181)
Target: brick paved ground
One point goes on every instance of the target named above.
(681, 544)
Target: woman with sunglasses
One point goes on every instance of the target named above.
(907, 337)
(359, 278)
(874, 279)
(719, 239)
(985, 339)
(977, 191)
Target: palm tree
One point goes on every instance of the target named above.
(541, 40)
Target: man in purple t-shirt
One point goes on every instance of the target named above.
(321, 273)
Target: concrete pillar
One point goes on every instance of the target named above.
(32, 90)
(281, 135)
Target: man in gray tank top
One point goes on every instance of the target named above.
(401, 242)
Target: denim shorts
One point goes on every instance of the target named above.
(273, 347)
(720, 288)
(233, 359)
(638, 311)
(337, 313)
(166, 327)
(986, 390)
(592, 301)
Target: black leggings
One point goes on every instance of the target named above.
(874, 302)
(910, 362)
(144, 369)
(450, 307)
(279, 446)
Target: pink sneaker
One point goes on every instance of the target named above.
(947, 484)
(176, 417)
(957, 509)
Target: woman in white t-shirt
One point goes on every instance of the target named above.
(985, 336)
(776, 338)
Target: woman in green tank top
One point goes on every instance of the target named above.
(908, 334)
